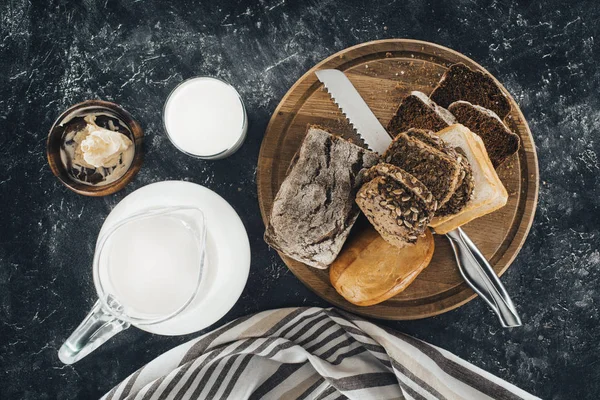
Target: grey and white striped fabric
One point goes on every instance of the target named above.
(310, 353)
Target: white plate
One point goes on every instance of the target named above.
(228, 250)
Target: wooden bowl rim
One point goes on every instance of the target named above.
(96, 191)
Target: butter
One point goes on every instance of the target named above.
(95, 155)
(102, 147)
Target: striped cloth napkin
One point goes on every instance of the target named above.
(310, 353)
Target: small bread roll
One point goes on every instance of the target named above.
(371, 270)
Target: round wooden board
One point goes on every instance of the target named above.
(384, 72)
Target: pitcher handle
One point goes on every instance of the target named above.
(97, 327)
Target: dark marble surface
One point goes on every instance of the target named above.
(56, 53)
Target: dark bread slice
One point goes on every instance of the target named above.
(464, 187)
(418, 111)
(499, 141)
(429, 138)
(464, 190)
(438, 171)
(397, 204)
(314, 209)
(461, 83)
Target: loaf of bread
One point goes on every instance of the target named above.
(314, 208)
(499, 141)
(396, 203)
(371, 270)
(418, 111)
(488, 192)
(438, 171)
(461, 83)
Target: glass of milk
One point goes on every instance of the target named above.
(205, 118)
(147, 270)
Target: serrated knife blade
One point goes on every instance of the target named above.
(358, 113)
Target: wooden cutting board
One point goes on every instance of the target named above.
(384, 72)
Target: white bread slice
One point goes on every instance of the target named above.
(488, 192)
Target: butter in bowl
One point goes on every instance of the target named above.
(95, 148)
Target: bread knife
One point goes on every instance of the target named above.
(473, 266)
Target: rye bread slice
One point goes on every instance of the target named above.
(464, 190)
(438, 171)
(500, 142)
(418, 111)
(464, 187)
(314, 208)
(397, 204)
(461, 83)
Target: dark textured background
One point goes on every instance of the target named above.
(56, 53)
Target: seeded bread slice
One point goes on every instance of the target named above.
(438, 171)
(464, 187)
(314, 208)
(397, 204)
(461, 83)
(499, 141)
(418, 111)
(488, 193)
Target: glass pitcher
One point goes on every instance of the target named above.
(147, 269)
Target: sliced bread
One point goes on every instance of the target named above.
(464, 190)
(396, 203)
(499, 141)
(464, 186)
(438, 171)
(488, 192)
(314, 208)
(418, 111)
(461, 83)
